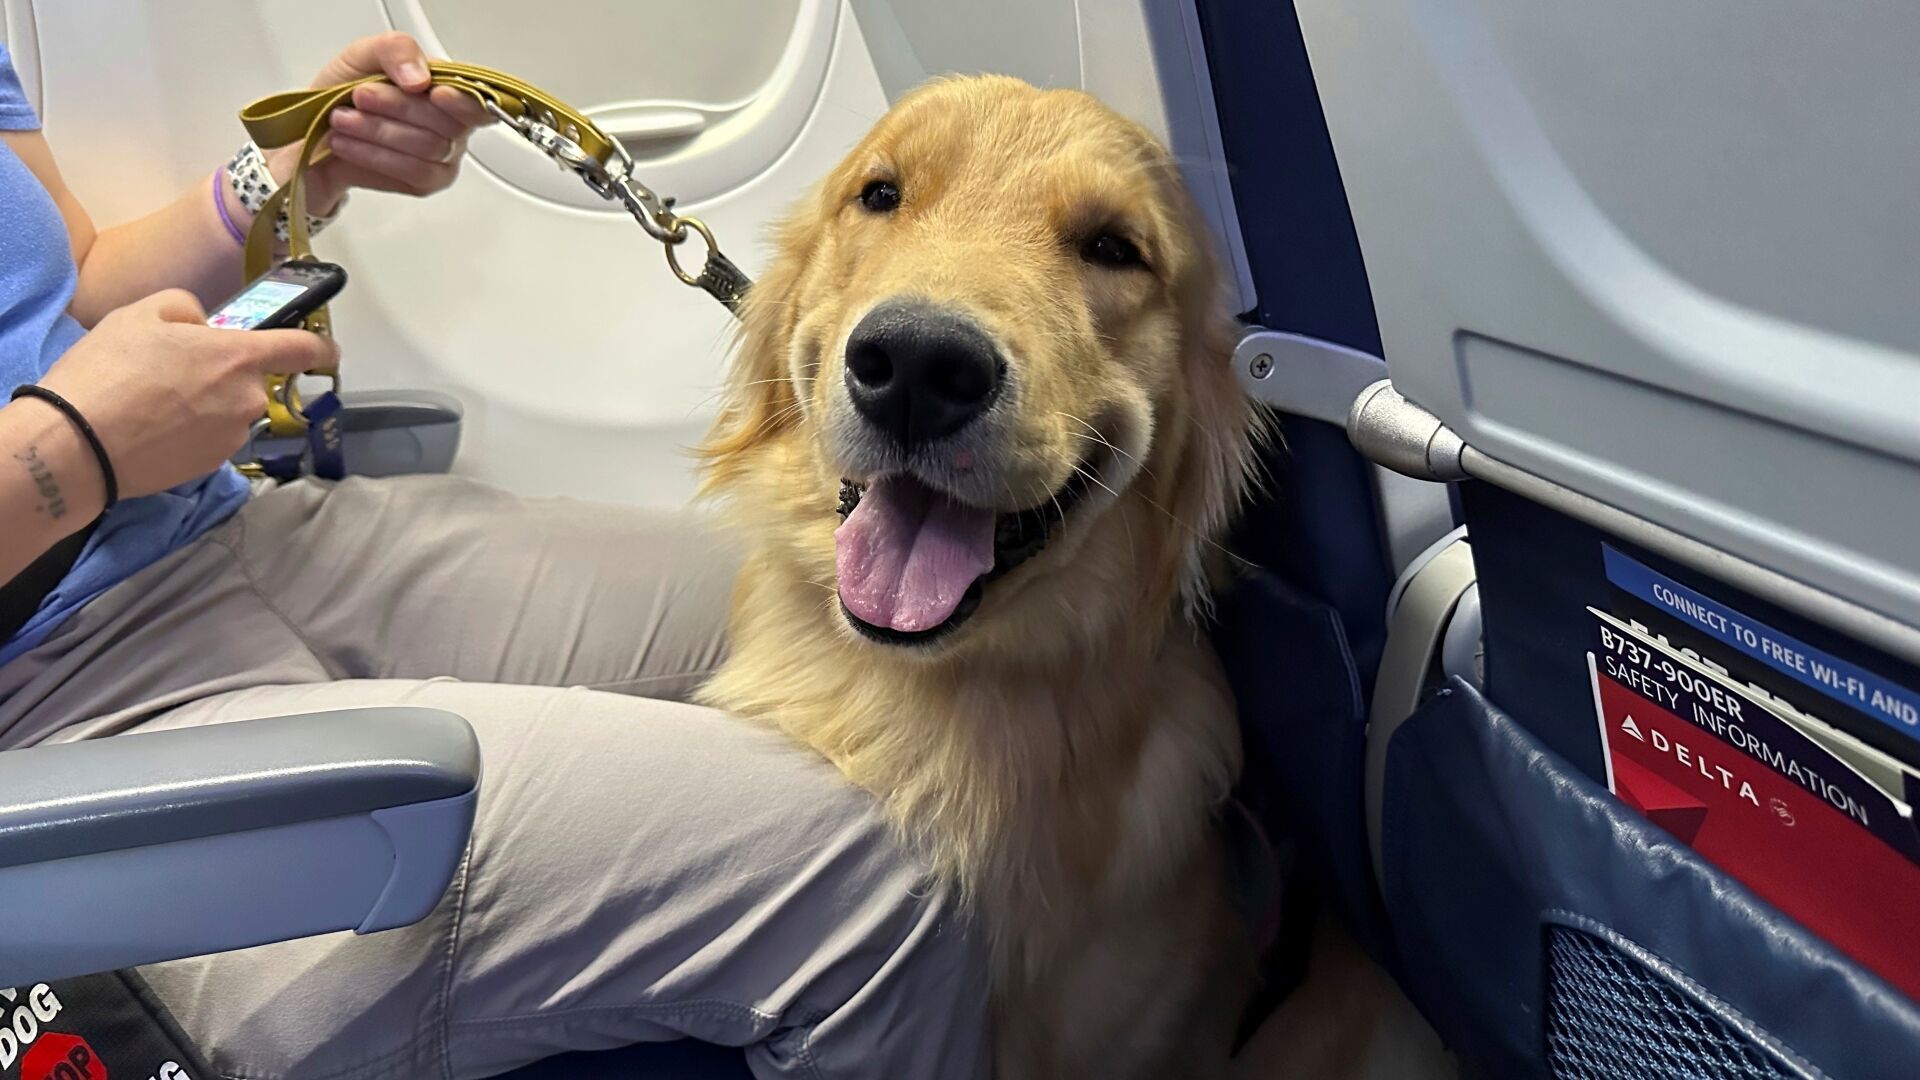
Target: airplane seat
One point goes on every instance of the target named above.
(1549, 929)
(1641, 754)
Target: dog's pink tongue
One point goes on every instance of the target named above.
(907, 554)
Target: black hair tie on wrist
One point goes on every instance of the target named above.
(86, 431)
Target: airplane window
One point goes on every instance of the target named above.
(713, 53)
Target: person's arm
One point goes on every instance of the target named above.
(169, 397)
(402, 138)
(50, 486)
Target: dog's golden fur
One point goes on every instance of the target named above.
(1059, 758)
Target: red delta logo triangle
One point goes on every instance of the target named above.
(1663, 802)
(55, 1056)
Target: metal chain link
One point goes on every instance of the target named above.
(719, 277)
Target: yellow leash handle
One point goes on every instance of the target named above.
(556, 128)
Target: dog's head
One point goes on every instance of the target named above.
(987, 379)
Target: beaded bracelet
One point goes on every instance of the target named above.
(253, 185)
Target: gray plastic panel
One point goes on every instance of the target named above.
(429, 839)
(1661, 254)
(72, 799)
(140, 905)
(387, 433)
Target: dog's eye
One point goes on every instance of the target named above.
(1107, 249)
(880, 196)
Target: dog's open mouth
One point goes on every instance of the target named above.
(913, 562)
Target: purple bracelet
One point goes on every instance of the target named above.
(220, 207)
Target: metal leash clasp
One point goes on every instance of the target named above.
(615, 181)
(653, 212)
(718, 276)
(289, 395)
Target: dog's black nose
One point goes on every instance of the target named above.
(918, 372)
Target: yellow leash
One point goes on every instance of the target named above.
(551, 125)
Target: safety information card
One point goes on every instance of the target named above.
(1813, 820)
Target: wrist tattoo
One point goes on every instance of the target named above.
(55, 504)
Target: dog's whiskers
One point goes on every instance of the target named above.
(730, 388)
(1095, 480)
(773, 421)
(1100, 437)
(1202, 537)
(1148, 499)
(1132, 554)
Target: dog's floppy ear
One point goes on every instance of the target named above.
(758, 400)
(1218, 429)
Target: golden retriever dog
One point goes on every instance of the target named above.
(980, 435)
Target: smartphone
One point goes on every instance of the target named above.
(281, 297)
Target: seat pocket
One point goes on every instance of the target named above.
(1548, 930)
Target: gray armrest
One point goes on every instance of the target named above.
(386, 433)
(158, 845)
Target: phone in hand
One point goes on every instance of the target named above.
(281, 297)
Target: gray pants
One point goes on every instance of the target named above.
(640, 869)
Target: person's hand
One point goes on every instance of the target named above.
(170, 397)
(407, 136)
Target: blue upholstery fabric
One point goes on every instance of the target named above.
(1493, 841)
(1301, 639)
(1303, 720)
(1316, 525)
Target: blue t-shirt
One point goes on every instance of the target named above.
(36, 284)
